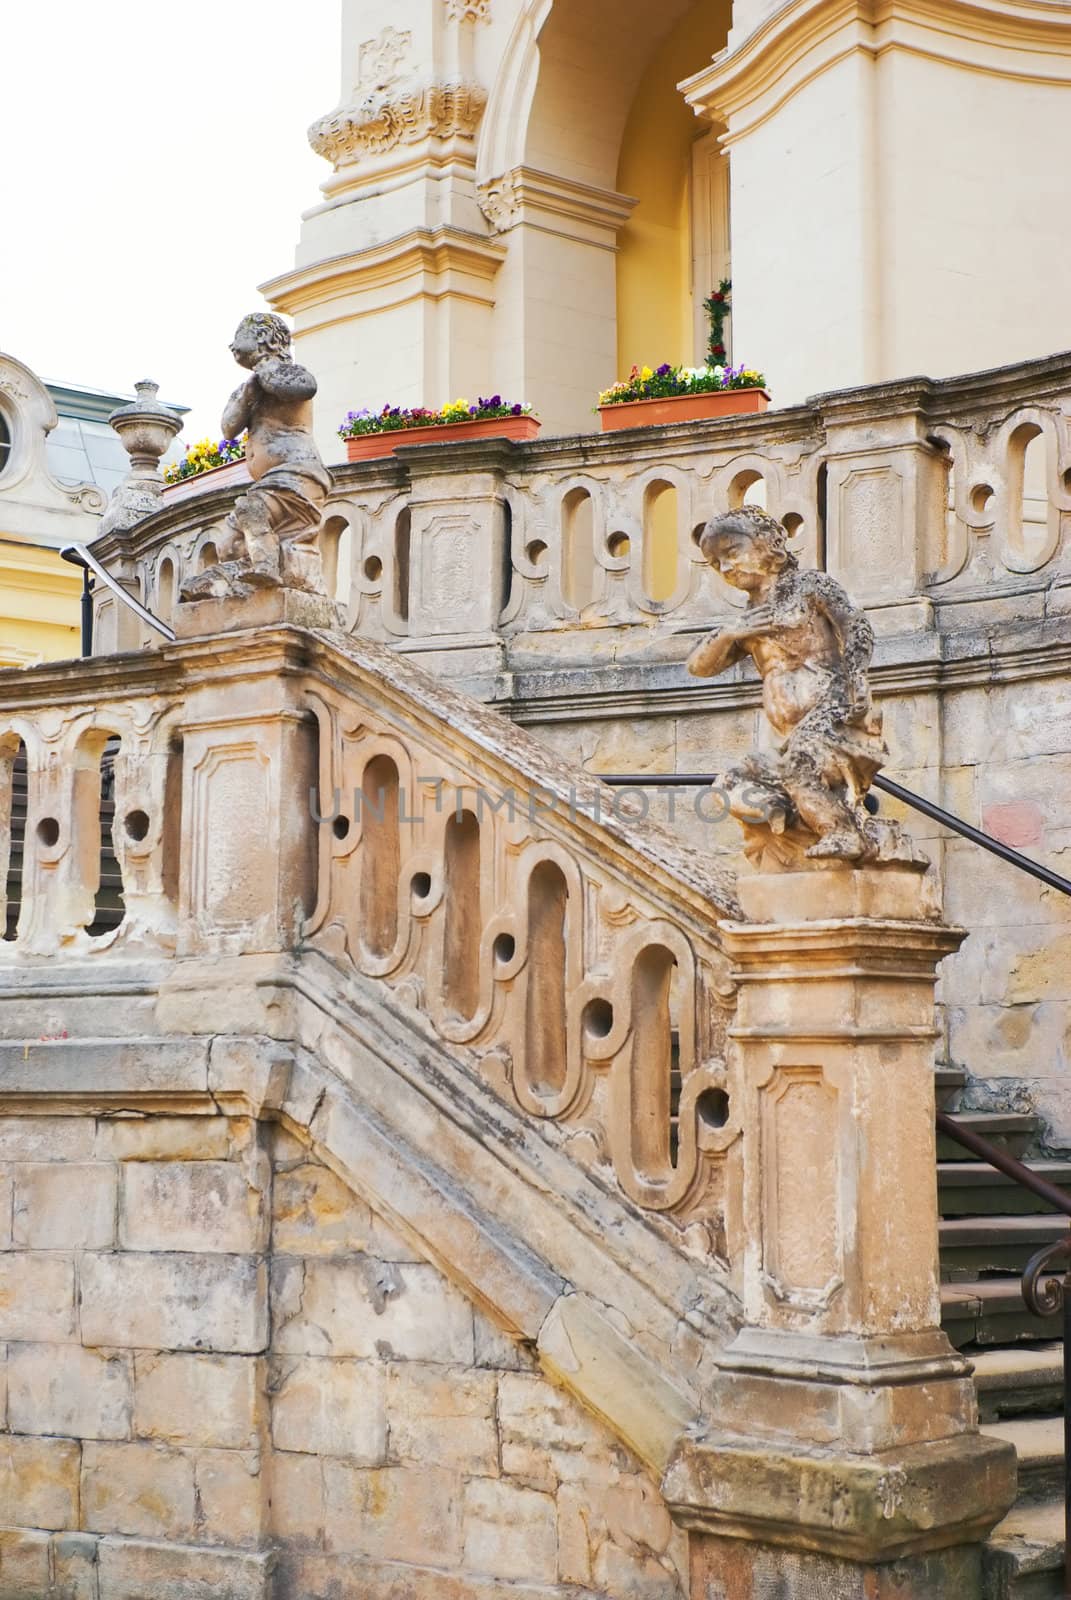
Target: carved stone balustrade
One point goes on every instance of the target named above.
(495, 557)
(271, 797)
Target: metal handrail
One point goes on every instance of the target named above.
(1046, 1280)
(79, 556)
(907, 797)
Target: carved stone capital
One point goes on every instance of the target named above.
(468, 10)
(400, 115)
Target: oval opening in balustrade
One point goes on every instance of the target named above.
(578, 549)
(546, 1034)
(619, 545)
(136, 826)
(380, 856)
(16, 769)
(402, 544)
(655, 1074)
(1028, 509)
(461, 938)
(598, 1019)
(712, 1108)
(505, 948)
(108, 903)
(660, 541)
(421, 885)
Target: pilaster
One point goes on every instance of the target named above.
(844, 1424)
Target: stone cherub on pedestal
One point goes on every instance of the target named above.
(812, 649)
(270, 536)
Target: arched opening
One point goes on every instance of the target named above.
(108, 906)
(165, 590)
(402, 528)
(660, 541)
(16, 785)
(1029, 512)
(507, 556)
(654, 1050)
(461, 940)
(675, 246)
(380, 856)
(208, 556)
(546, 1034)
(336, 556)
(748, 488)
(578, 549)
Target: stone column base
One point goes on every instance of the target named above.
(729, 1569)
(861, 1509)
(264, 608)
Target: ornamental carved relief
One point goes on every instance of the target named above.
(380, 60)
(499, 201)
(380, 122)
(468, 10)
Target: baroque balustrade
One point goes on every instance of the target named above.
(914, 494)
(276, 795)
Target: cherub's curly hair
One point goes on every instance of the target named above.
(753, 523)
(270, 331)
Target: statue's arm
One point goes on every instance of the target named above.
(285, 380)
(238, 412)
(715, 654)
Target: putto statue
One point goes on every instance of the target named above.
(270, 536)
(812, 649)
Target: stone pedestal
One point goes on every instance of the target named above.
(264, 608)
(844, 1424)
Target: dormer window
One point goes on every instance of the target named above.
(5, 442)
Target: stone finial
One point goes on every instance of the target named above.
(269, 541)
(146, 428)
(812, 648)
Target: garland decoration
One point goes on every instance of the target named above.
(717, 307)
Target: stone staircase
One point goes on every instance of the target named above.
(990, 1227)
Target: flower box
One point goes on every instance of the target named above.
(682, 408)
(371, 446)
(201, 482)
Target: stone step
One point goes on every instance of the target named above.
(1023, 1557)
(948, 1082)
(991, 1311)
(970, 1188)
(1012, 1131)
(1018, 1381)
(1039, 1445)
(972, 1246)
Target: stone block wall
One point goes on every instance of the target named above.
(222, 1373)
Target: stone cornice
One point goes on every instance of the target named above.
(393, 269)
(1027, 39)
(555, 205)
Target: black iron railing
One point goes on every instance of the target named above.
(1046, 1280)
(907, 797)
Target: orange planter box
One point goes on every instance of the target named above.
(369, 446)
(682, 408)
(202, 482)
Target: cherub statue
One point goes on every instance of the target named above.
(812, 649)
(270, 536)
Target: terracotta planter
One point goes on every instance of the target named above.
(682, 408)
(202, 482)
(369, 446)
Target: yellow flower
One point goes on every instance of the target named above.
(646, 372)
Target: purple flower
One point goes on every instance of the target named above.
(664, 370)
(517, 411)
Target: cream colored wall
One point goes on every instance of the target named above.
(898, 189)
(654, 264)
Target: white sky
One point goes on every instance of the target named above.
(153, 170)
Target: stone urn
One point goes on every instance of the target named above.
(146, 428)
